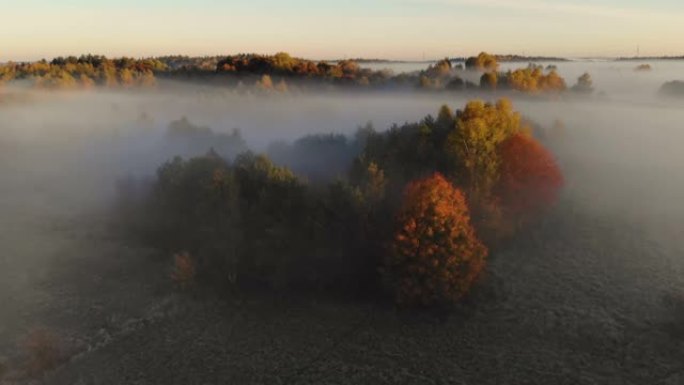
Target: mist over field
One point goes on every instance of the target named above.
(594, 293)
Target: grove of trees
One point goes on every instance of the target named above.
(412, 216)
(85, 71)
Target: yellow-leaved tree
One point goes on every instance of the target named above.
(480, 128)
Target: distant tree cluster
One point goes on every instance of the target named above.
(643, 68)
(317, 157)
(673, 88)
(84, 72)
(443, 75)
(412, 213)
(482, 62)
(584, 84)
(532, 79)
(184, 137)
(284, 65)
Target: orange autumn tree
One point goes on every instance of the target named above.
(529, 178)
(435, 256)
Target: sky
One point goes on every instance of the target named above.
(321, 29)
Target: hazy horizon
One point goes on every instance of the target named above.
(383, 29)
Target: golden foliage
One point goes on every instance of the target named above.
(435, 256)
(483, 62)
(480, 128)
(533, 80)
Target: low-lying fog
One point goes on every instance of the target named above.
(61, 154)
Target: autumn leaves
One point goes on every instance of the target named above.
(509, 179)
(434, 256)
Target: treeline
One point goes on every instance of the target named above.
(413, 215)
(284, 65)
(533, 79)
(84, 72)
(276, 73)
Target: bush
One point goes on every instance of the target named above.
(183, 274)
(435, 256)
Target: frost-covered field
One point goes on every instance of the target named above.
(595, 294)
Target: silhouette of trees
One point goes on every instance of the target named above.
(482, 62)
(584, 84)
(673, 88)
(319, 157)
(283, 65)
(440, 69)
(435, 256)
(489, 81)
(185, 138)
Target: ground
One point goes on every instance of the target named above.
(562, 306)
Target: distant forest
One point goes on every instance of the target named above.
(281, 72)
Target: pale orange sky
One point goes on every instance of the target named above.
(391, 29)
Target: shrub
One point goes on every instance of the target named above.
(435, 256)
(183, 274)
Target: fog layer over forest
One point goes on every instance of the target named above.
(615, 275)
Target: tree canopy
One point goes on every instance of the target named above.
(435, 256)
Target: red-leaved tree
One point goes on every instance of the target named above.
(529, 178)
(435, 256)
